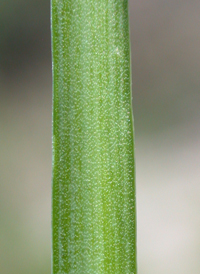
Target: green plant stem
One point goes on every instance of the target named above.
(93, 199)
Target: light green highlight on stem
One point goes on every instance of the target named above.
(93, 199)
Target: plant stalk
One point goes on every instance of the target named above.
(93, 189)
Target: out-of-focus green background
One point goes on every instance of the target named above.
(165, 38)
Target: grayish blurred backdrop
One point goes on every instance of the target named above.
(165, 37)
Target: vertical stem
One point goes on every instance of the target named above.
(93, 199)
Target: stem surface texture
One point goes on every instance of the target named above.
(93, 199)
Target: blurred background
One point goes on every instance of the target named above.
(165, 37)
